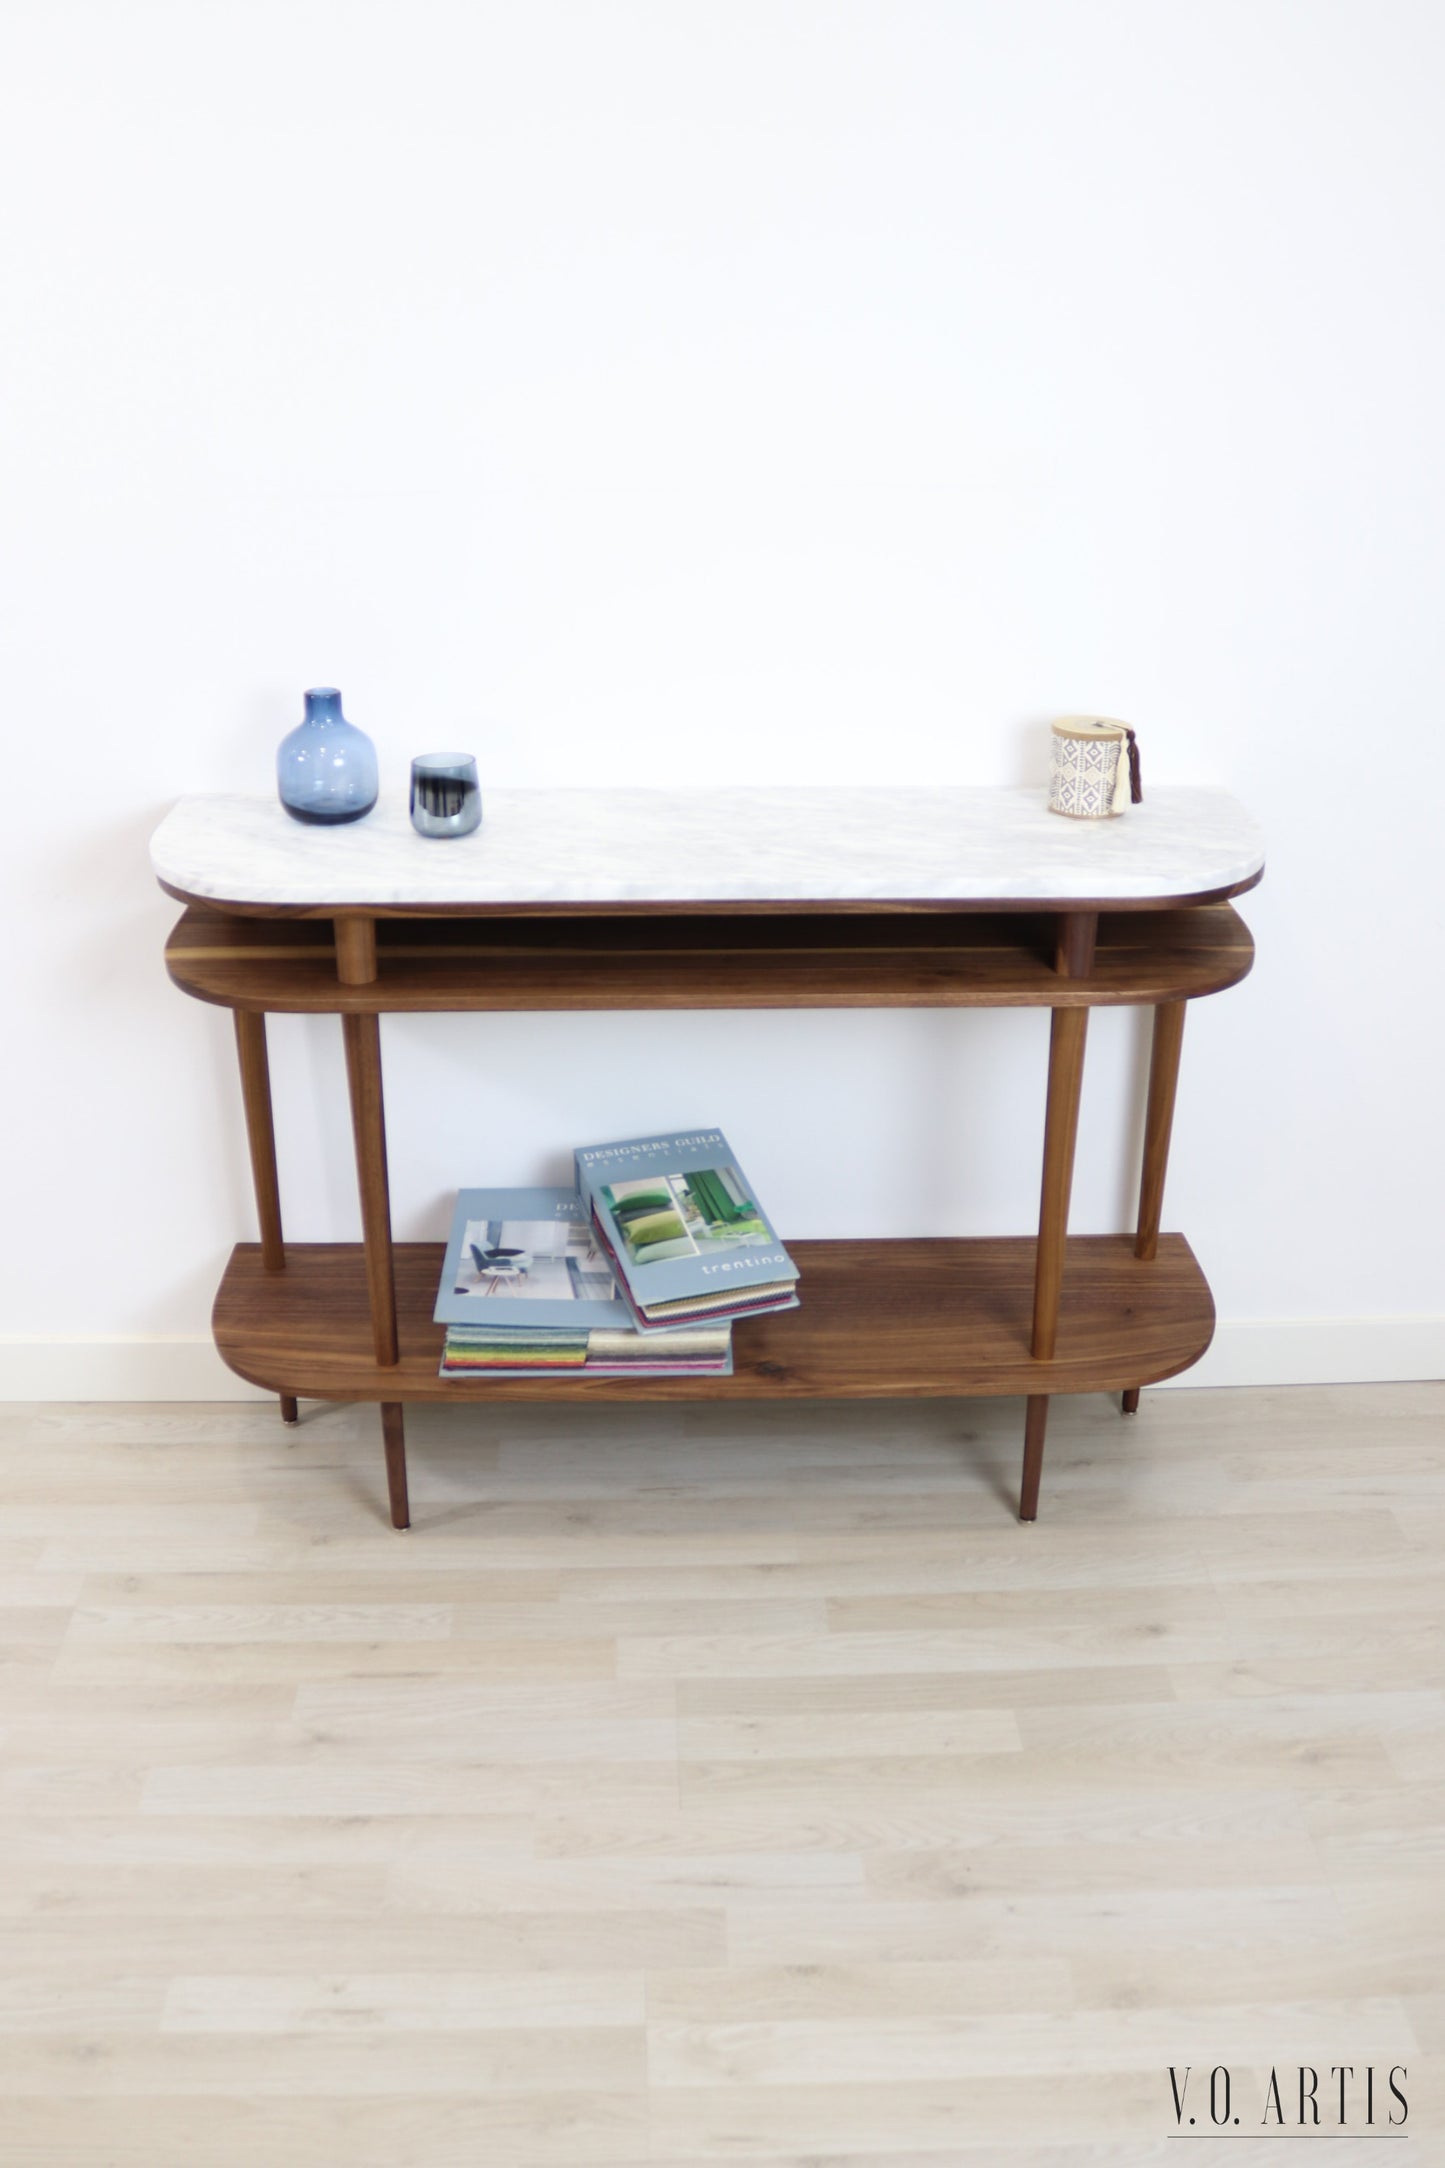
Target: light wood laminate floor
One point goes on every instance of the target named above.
(682, 1790)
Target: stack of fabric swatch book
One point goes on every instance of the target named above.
(639, 1272)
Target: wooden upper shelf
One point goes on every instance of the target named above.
(822, 850)
(713, 961)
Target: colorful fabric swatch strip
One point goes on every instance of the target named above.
(479, 1351)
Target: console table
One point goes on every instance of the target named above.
(725, 899)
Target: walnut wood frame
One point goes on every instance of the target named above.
(1095, 1314)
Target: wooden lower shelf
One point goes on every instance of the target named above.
(936, 1317)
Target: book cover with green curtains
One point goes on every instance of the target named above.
(680, 1217)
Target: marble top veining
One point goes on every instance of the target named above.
(960, 844)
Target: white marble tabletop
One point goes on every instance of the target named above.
(964, 845)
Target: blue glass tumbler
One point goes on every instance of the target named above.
(326, 768)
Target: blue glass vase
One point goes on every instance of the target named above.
(326, 767)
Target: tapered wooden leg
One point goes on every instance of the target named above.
(260, 1133)
(1159, 1121)
(393, 1438)
(1068, 1030)
(1067, 1033)
(1035, 1423)
(1158, 1126)
(368, 1122)
(1066, 1076)
(261, 1136)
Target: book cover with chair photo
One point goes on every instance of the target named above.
(526, 1257)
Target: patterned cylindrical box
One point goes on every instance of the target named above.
(1095, 768)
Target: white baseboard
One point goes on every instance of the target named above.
(1321, 1351)
(1255, 1351)
(119, 1369)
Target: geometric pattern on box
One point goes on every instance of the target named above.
(1083, 773)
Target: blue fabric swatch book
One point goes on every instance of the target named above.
(526, 1291)
(683, 1229)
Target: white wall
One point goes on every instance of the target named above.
(764, 391)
